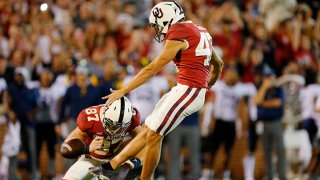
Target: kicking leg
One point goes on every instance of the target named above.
(133, 148)
(152, 154)
(136, 172)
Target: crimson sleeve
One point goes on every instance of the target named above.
(176, 32)
(82, 121)
(136, 119)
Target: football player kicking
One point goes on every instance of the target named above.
(99, 136)
(190, 47)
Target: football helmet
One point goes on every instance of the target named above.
(117, 117)
(162, 16)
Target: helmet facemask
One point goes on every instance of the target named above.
(159, 37)
(113, 127)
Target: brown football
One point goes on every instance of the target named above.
(72, 148)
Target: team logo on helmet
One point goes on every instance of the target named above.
(157, 12)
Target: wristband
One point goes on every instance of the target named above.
(86, 149)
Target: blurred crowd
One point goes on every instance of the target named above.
(58, 57)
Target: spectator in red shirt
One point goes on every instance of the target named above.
(304, 55)
(283, 52)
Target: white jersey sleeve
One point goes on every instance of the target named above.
(317, 105)
(226, 101)
(248, 90)
(307, 97)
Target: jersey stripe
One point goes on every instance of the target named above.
(181, 110)
(173, 108)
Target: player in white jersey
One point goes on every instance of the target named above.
(147, 95)
(307, 98)
(227, 100)
(248, 91)
(310, 101)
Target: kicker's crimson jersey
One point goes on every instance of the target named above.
(194, 62)
(89, 121)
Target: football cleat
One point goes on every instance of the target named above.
(134, 163)
(134, 174)
(100, 173)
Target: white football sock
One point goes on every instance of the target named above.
(248, 166)
(207, 174)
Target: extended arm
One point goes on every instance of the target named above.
(171, 48)
(78, 134)
(74, 146)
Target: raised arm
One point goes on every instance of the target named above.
(259, 99)
(295, 35)
(316, 28)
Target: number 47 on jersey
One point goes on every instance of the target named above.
(204, 47)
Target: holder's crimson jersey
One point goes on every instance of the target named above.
(89, 121)
(193, 62)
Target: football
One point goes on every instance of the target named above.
(73, 148)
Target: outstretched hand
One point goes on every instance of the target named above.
(115, 95)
